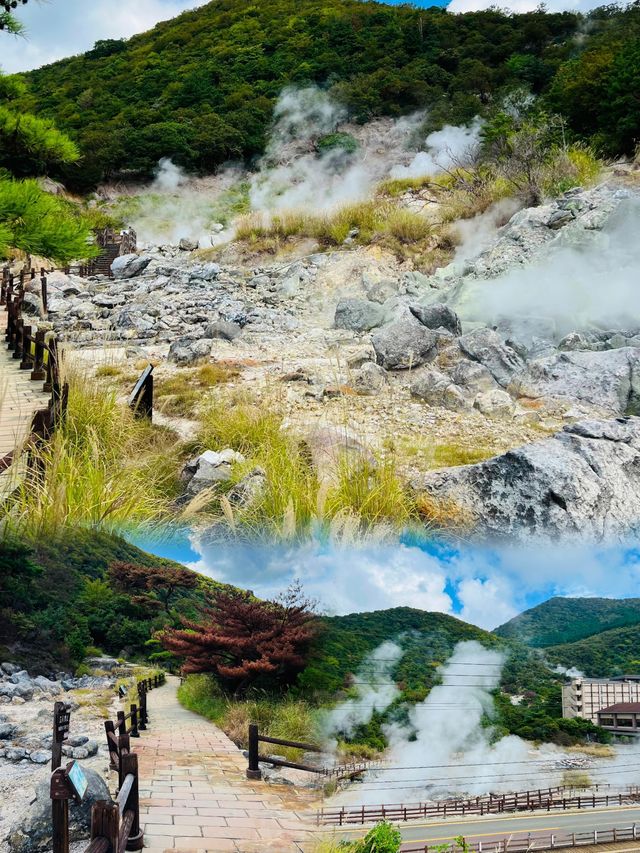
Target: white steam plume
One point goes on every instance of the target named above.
(477, 233)
(445, 750)
(444, 149)
(177, 205)
(375, 691)
(591, 283)
(572, 672)
(294, 174)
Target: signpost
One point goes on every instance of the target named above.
(66, 783)
(61, 722)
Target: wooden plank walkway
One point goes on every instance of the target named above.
(20, 399)
(194, 797)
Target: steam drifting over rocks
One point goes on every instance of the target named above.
(539, 331)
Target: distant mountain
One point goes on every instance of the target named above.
(566, 620)
(609, 653)
(428, 638)
(200, 88)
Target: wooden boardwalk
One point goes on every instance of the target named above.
(20, 399)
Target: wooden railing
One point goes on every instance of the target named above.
(37, 351)
(115, 826)
(130, 725)
(253, 771)
(551, 799)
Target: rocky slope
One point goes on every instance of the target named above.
(419, 361)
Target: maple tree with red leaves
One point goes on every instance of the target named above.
(158, 585)
(243, 638)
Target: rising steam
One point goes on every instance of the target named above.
(375, 691)
(448, 746)
(586, 278)
(295, 173)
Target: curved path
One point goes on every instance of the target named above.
(194, 794)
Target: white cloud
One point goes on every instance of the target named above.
(344, 580)
(487, 603)
(66, 27)
(482, 586)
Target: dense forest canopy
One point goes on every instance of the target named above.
(566, 620)
(201, 87)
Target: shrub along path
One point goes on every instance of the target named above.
(20, 399)
(194, 796)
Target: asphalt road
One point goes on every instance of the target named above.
(492, 828)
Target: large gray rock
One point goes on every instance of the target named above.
(488, 348)
(437, 316)
(34, 835)
(608, 381)
(129, 266)
(223, 331)
(7, 731)
(437, 389)
(186, 351)
(358, 315)
(582, 484)
(209, 468)
(473, 377)
(403, 344)
(494, 403)
(369, 379)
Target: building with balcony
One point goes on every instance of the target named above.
(623, 718)
(585, 697)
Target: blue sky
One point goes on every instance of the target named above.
(484, 586)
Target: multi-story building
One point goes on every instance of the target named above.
(584, 697)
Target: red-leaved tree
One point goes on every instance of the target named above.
(158, 586)
(242, 638)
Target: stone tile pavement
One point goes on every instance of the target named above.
(194, 797)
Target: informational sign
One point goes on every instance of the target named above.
(122, 690)
(77, 780)
(61, 721)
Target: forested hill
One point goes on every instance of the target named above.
(609, 653)
(201, 87)
(567, 620)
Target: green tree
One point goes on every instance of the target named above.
(41, 224)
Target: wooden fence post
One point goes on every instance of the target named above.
(142, 708)
(253, 771)
(59, 812)
(105, 823)
(122, 723)
(130, 767)
(134, 721)
(110, 729)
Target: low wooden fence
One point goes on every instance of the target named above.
(526, 843)
(115, 826)
(37, 351)
(550, 799)
(340, 772)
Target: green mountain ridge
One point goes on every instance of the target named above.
(200, 88)
(604, 655)
(559, 621)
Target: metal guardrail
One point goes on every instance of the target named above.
(524, 844)
(550, 799)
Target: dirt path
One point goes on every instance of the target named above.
(194, 794)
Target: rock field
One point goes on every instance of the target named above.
(355, 338)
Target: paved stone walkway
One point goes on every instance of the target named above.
(194, 794)
(20, 398)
